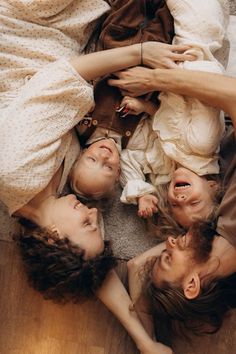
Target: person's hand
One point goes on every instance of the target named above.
(134, 105)
(157, 348)
(147, 205)
(138, 105)
(135, 81)
(161, 55)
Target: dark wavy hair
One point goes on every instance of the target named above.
(175, 315)
(57, 268)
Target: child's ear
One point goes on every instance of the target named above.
(192, 286)
(118, 174)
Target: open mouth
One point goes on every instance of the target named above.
(77, 205)
(182, 185)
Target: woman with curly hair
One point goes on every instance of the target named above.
(45, 92)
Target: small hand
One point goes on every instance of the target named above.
(134, 105)
(139, 105)
(147, 205)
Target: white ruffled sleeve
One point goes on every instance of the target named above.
(132, 176)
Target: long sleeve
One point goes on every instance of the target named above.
(143, 164)
(53, 11)
(132, 178)
(34, 33)
(200, 22)
(36, 130)
(189, 130)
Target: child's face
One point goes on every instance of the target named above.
(190, 196)
(97, 170)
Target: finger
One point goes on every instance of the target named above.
(140, 213)
(117, 73)
(155, 201)
(145, 213)
(114, 82)
(170, 64)
(155, 209)
(125, 92)
(180, 47)
(183, 57)
(127, 98)
(132, 112)
(125, 101)
(149, 211)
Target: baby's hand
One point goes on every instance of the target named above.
(147, 205)
(134, 105)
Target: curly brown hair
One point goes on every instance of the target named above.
(57, 268)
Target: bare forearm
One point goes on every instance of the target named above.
(114, 295)
(136, 265)
(213, 89)
(101, 63)
(153, 55)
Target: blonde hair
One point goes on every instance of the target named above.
(163, 223)
(109, 194)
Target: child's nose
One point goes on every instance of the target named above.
(105, 154)
(181, 197)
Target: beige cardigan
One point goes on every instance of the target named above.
(41, 96)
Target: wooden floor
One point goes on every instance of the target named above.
(31, 325)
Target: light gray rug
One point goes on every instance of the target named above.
(126, 230)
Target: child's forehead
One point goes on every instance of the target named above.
(95, 143)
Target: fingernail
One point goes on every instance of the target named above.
(124, 114)
(119, 108)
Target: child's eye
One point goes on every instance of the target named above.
(91, 158)
(109, 168)
(195, 202)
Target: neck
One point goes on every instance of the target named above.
(36, 209)
(222, 259)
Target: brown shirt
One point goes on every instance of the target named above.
(226, 225)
